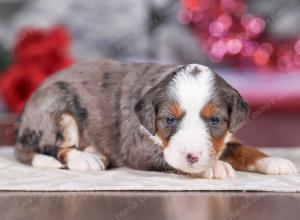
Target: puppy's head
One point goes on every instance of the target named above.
(190, 113)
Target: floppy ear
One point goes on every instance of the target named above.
(238, 111)
(146, 111)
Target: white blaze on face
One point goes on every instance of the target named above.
(193, 92)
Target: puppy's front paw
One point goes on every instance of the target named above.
(84, 161)
(221, 170)
(275, 166)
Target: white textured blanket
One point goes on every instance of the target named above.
(15, 176)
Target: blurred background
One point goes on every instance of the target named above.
(254, 45)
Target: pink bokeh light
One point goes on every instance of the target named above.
(234, 46)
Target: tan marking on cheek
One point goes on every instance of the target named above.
(163, 138)
(175, 110)
(218, 145)
(208, 111)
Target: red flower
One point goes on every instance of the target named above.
(37, 54)
(50, 49)
(19, 83)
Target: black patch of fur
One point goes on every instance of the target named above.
(50, 150)
(64, 86)
(73, 102)
(59, 136)
(30, 139)
(105, 80)
(195, 71)
(139, 106)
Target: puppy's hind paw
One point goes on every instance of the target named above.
(84, 161)
(44, 161)
(275, 166)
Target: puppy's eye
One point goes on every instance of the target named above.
(171, 121)
(214, 121)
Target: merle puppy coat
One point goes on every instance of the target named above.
(104, 114)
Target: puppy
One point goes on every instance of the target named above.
(173, 118)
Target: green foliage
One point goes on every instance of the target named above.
(5, 58)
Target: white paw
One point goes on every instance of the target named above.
(275, 166)
(44, 161)
(221, 170)
(84, 161)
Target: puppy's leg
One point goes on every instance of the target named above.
(28, 156)
(246, 158)
(68, 152)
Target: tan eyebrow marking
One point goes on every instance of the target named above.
(176, 110)
(208, 111)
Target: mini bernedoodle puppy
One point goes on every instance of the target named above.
(173, 118)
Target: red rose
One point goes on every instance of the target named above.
(18, 83)
(37, 54)
(50, 49)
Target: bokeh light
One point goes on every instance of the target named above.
(216, 29)
(234, 46)
(228, 31)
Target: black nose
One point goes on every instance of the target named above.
(191, 158)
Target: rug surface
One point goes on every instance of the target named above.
(16, 176)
